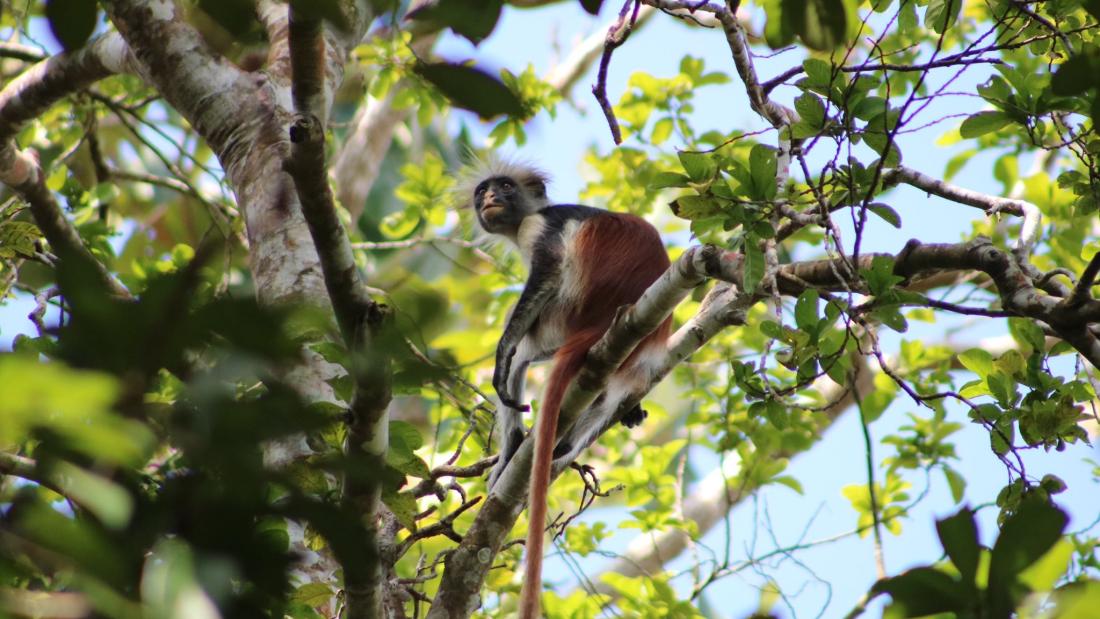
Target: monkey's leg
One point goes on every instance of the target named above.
(592, 422)
(510, 431)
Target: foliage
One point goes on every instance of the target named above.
(134, 432)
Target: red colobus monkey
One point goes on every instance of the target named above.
(584, 263)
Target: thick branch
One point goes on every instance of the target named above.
(28, 96)
(209, 91)
(26, 468)
(360, 319)
(41, 86)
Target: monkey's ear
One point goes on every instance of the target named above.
(537, 187)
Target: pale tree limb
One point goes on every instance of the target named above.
(992, 205)
(27, 97)
(26, 468)
(359, 317)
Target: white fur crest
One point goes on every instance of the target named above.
(481, 168)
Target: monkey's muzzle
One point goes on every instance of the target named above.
(490, 210)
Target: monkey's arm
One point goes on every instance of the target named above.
(540, 288)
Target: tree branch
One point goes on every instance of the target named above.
(361, 320)
(775, 114)
(27, 97)
(992, 205)
(616, 35)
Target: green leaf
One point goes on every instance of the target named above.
(694, 207)
(1025, 537)
(1049, 569)
(72, 21)
(891, 317)
(870, 107)
(1052, 484)
(983, 123)
(754, 267)
(1002, 436)
(810, 110)
(805, 310)
(956, 482)
(880, 277)
(662, 129)
(762, 168)
(110, 502)
(313, 594)
(924, 591)
(822, 24)
(959, 537)
(19, 238)
(1027, 333)
(404, 435)
(778, 31)
(1074, 77)
(877, 135)
(663, 180)
(942, 14)
(699, 166)
(473, 19)
(776, 413)
(403, 506)
(886, 212)
(977, 360)
(472, 89)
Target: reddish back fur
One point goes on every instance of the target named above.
(621, 255)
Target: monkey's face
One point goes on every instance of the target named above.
(500, 204)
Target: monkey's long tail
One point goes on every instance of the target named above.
(567, 362)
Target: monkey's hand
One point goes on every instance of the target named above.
(501, 374)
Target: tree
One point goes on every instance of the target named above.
(251, 395)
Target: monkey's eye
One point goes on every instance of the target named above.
(507, 185)
(480, 190)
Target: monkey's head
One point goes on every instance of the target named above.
(502, 194)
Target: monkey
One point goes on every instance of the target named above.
(584, 263)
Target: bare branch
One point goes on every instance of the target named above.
(616, 35)
(774, 113)
(992, 205)
(568, 72)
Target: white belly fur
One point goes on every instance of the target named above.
(549, 332)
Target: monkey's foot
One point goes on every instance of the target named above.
(512, 404)
(562, 448)
(634, 416)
